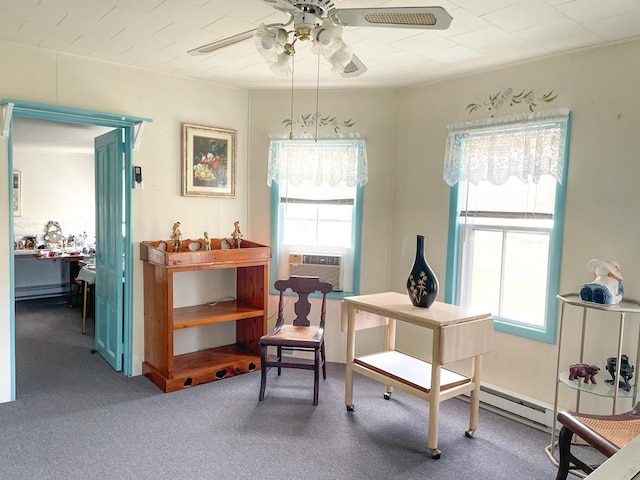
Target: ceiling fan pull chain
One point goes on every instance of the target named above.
(317, 97)
(293, 68)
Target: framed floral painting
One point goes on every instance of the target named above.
(209, 161)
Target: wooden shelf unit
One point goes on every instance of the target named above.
(249, 311)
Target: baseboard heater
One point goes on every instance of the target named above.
(516, 407)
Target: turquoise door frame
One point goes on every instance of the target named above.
(131, 125)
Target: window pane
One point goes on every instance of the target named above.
(334, 234)
(300, 224)
(335, 212)
(300, 232)
(525, 280)
(486, 254)
(334, 225)
(318, 225)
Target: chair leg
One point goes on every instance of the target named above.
(279, 360)
(316, 376)
(263, 378)
(567, 459)
(324, 362)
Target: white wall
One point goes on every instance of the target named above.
(600, 87)
(45, 77)
(407, 196)
(56, 186)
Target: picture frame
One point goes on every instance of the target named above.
(209, 161)
(17, 193)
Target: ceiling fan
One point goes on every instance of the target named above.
(321, 23)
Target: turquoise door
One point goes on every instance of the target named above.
(109, 171)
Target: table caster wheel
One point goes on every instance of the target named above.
(435, 453)
(469, 433)
(387, 395)
(350, 408)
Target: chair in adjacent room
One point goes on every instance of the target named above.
(606, 433)
(300, 334)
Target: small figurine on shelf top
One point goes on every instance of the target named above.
(584, 370)
(176, 236)
(606, 287)
(236, 235)
(626, 372)
(207, 241)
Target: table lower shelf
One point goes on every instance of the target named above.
(204, 366)
(409, 371)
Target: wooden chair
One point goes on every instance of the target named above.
(299, 335)
(606, 433)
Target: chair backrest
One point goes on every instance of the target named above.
(303, 286)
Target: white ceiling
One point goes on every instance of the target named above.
(156, 35)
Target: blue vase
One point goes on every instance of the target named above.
(422, 284)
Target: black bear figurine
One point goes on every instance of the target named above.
(626, 372)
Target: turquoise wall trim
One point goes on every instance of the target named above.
(276, 235)
(128, 252)
(12, 293)
(357, 222)
(450, 290)
(557, 238)
(73, 115)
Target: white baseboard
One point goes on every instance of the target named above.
(518, 407)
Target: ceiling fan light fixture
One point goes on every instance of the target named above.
(341, 57)
(270, 41)
(303, 34)
(321, 23)
(327, 39)
(282, 65)
(324, 38)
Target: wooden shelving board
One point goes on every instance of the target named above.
(198, 315)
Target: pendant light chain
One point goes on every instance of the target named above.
(317, 97)
(293, 66)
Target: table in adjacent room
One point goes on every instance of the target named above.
(87, 276)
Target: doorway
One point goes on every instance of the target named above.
(55, 162)
(130, 127)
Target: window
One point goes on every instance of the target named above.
(506, 219)
(317, 189)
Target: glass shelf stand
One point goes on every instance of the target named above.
(603, 389)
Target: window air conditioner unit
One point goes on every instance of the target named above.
(327, 267)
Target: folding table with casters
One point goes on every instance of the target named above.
(458, 334)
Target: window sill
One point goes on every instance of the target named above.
(529, 332)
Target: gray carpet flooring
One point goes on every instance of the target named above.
(75, 418)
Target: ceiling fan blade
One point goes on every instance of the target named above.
(225, 42)
(436, 18)
(354, 68)
(283, 6)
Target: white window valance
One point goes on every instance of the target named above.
(324, 162)
(526, 146)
